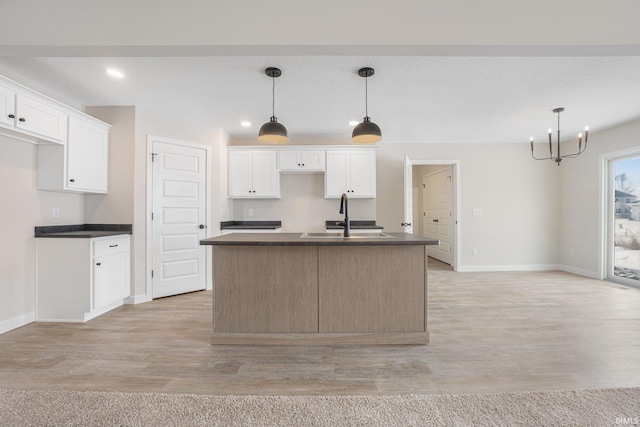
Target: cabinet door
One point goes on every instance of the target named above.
(110, 279)
(289, 160)
(41, 119)
(312, 160)
(7, 106)
(87, 156)
(363, 174)
(337, 175)
(240, 174)
(265, 174)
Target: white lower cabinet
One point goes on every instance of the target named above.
(81, 278)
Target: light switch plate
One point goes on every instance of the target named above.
(477, 211)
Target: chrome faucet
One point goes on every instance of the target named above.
(344, 209)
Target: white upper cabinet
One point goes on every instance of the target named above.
(253, 174)
(87, 156)
(31, 115)
(79, 166)
(350, 172)
(41, 119)
(301, 161)
(7, 107)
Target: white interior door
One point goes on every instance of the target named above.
(179, 218)
(408, 195)
(438, 207)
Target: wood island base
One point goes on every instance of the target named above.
(286, 291)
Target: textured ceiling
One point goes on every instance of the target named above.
(413, 98)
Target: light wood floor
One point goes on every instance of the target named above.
(489, 332)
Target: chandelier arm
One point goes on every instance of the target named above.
(541, 158)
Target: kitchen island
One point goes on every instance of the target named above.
(285, 289)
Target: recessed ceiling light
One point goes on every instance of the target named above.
(245, 124)
(353, 122)
(113, 72)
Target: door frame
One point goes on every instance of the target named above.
(149, 223)
(457, 224)
(606, 255)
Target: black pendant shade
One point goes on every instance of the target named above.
(366, 132)
(272, 131)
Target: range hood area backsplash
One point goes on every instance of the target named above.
(302, 206)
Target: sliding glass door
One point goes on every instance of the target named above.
(624, 219)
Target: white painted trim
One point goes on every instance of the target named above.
(580, 271)
(136, 299)
(149, 228)
(529, 267)
(605, 247)
(514, 267)
(17, 322)
(457, 230)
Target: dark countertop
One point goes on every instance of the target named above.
(294, 239)
(83, 231)
(250, 225)
(354, 225)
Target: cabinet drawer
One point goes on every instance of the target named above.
(110, 245)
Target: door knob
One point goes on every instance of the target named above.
(202, 226)
(12, 116)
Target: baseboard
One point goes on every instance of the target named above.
(529, 267)
(17, 322)
(580, 271)
(515, 267)
(136, 299)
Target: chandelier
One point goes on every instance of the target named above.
(559, 157)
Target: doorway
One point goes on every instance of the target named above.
(446, 212)
(623, 218)
(178, 174)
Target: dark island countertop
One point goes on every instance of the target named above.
(250, 225)
(294, 239)
(83, 231)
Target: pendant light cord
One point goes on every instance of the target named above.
(273, 97)
(366, 96)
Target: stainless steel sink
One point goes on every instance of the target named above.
(340, 236)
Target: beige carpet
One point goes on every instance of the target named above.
(564, 408)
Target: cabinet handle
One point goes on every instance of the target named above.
(72, 180)
(12, 116)
(113, 246)
(22, 119)
(98, 263)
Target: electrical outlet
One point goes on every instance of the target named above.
(477, 211)
(474, 251)
(56, 212)
(249, 212)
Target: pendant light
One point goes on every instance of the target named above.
(272, 131)
(366, 132)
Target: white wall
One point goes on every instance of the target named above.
(581, 198)
(519, 198)
(116, 207)
(302, 206)
(23, 208)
